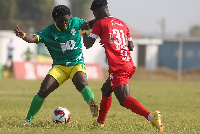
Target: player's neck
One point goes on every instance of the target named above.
(106, 15)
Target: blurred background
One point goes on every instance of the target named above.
(166, 36)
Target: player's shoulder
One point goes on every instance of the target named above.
(120, 21)
(112, 19)
(75, 19)
(102, 21)
(48, 29)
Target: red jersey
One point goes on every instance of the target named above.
(115, 35)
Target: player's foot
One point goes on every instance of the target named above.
(97, 124)
(26, 122)
(157, 121)
(93, 107)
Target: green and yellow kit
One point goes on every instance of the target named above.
(65, 47)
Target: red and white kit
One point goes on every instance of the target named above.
(115, 35)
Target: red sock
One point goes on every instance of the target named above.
(135, 106)
(104, 108)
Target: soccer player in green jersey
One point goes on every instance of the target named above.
(63, 42)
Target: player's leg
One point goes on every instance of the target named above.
(105, 104)
(53, 79)
(135, 106)
(122, 93)
(121, 88)
(79, 79)
(48, 85)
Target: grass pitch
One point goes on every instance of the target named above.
(179, 104)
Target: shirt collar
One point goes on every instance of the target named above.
(59, 28)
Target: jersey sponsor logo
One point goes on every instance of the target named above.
(111, 37)
(70, 45)
(73, 31)
(114, 23)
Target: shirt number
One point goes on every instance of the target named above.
(121, 43)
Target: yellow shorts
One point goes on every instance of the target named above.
(62, 73)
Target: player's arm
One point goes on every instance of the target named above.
(130, 42)
(130, 45)
(91, 22)
(30, 38)
(88, 41)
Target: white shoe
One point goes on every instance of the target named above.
(26, 122)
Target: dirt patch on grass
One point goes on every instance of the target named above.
(164, 74)
(191, 74)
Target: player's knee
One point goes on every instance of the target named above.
(43, 92)
(80, 86)
(80, 77)
(121, 101)
(80, 83)
(121, 104)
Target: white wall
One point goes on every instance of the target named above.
(152, 53)
(95, 54)
(151, 59)
(134, 54)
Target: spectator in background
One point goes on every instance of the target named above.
(28, 54)
(9, 62)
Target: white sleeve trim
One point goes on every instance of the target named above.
(130, 39)
(93, 35)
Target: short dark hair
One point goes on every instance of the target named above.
(60, 10)
(96, 4)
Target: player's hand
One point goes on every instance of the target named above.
(85, 26)
(19, 32)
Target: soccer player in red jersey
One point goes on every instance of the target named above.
(117, 41)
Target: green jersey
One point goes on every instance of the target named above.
(65, 47)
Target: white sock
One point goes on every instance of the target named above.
(97, 123)
(150, 117)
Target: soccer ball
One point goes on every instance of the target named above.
(61, 115)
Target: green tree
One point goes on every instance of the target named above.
(81, 8)
(26, 13)
(195, 31)
(7, 12)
